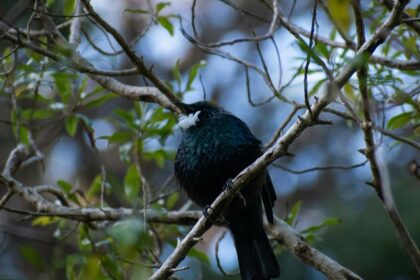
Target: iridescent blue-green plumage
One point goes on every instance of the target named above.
(213, 151)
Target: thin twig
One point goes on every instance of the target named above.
(193, 17)
(218, 263)
(308, 58)
(279, 131)
(103, 183)
(267, 35)
(6, 198)
(129, 51)
(320, 168)
(393, 63)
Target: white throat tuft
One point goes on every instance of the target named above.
(187, 121)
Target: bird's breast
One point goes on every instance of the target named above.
(210, 155)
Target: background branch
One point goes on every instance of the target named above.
(381, 186)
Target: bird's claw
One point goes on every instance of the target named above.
(228, 184)
(206, 213)
(241, 197)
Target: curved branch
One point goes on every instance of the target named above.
(297, 245)
(129, 51)
(381, 186)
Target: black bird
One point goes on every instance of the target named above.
(215, 147)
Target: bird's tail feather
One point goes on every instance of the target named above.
(255, 255)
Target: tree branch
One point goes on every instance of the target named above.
(405, 17)
(297, 245)
(381, 186)
(393, 63)
(280, 231)
(129, 51)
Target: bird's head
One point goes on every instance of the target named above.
(196, 114)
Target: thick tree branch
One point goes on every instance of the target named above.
(33, 195)
(280, 231)
(405, 16)
(297, 245)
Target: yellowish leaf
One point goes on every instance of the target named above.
(340, 11)
(44, 221)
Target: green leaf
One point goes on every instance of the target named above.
(176, 73)
(159, 156)
(349, 91)
(95, 186)
(172, 199)
(410, 45)
(91, 269)
(135, 11)
(24, 135)
(128, 233)
(138, 109)
(165, 23)
(316, 87)
(399, 120)
(333, 34)
(71, 261)
(323, 50)
(71, 125)
(132, 182)
(83, 240)
(291, 217)
(340, 13)
(99, 101)
(68, 7)
(37, 114)
(112, 267)
(402, 97)
(193, 73)
(310, 238)
(64, 185)
(63, 83)
(32, 256)
(386, 47)
(327, 222)
(200, 255)
(160, 6)
(119, 137)
(127, 116)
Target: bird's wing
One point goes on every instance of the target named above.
(268, 197)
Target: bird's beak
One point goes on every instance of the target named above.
(185, 108)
